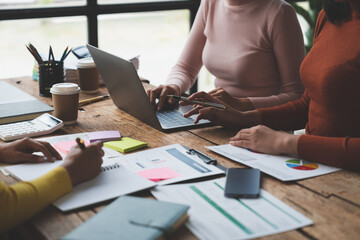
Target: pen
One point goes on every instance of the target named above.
(205, 104)
(63, 55)
(94, 99)
(35, 53)
(51, 55)
(80, 143)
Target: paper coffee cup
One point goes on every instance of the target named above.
(65, 98)
(88, 75)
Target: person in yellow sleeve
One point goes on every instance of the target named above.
(23, 200)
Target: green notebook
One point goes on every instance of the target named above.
(133, 218)
(125, 145)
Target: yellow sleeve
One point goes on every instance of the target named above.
(22, 200)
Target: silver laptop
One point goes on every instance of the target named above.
(128, 94)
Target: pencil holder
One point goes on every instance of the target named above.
(50, 73)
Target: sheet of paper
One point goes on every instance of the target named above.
(158, 174)
(281, 167)
(173, 157)
(2, 168)
(109, 153)
(213, 216)
(109, 184)
(64, 147)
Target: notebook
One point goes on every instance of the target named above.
(128, 94)
(16, 105)
(133, 218)
(113, 181)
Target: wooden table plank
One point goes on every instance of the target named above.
(292, 235)
(217, 134)
(344, 184)
(53, 224)
(333, 218)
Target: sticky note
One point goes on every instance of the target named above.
(64, 147)
(104, 136)
(125, 145)
(158, 174)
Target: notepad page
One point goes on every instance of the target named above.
(107, 185)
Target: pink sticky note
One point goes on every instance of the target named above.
(158, 174)
(64, 147)
(104, 136)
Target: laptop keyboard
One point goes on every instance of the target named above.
(173, 119)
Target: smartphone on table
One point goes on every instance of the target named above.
(242, 183)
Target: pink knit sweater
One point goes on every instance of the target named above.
(253, 47)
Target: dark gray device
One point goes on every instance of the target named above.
(128, 94)
(242, 183)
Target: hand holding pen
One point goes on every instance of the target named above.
(80, 143)
(84, 163)
(197, 102)
(221, 114)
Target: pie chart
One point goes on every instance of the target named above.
(299, 164)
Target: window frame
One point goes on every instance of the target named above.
(92, 10)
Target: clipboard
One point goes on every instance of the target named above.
(207, 159)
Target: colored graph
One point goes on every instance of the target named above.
(299, 164)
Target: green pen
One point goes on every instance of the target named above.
(205, 104)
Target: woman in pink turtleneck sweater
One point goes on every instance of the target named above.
(253, 47)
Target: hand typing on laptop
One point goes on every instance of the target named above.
(161, 93)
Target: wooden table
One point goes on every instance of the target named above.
(332, 201)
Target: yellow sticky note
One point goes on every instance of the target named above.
(125, 145)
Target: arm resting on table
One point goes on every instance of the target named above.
(23, 200)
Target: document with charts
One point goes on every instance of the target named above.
(284, 168)
(168, 164)
(213, 216)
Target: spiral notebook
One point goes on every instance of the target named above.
(113, 181)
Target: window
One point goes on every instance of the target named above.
(155, 30)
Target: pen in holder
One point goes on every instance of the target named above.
(50, 72)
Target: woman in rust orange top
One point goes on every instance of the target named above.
(329, 108)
